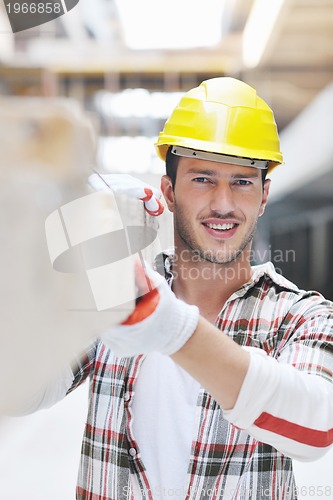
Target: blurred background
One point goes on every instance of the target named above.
(117, 68)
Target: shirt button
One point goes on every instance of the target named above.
(132, 452)
(127, 396)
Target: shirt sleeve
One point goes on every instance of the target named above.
(62, 384)
(287, 401)
(50, 395)
(83, 367)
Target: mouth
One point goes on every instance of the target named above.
(220, 230)
(221, 227)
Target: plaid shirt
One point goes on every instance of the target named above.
(226, 462)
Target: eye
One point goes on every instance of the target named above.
(243, 182)
(201, 179)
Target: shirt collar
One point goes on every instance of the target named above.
(267, 269)
(258, 272)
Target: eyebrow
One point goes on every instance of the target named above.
(245, 176)
(201, 171)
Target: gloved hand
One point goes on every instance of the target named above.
(160, 321)
(129, 186)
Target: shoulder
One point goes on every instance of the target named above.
(279, 288)
(304, 304)
(269, 273)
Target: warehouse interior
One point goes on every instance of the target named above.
(90, 90)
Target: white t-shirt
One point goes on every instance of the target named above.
(164, 410)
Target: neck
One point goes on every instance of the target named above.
(205, 284)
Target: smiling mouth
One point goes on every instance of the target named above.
(220, 227)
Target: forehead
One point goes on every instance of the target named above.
(187, 166)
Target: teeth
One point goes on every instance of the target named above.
(221, 227)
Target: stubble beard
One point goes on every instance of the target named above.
(185, 233)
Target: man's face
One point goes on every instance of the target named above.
(215, 207)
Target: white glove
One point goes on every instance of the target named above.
(160, 322)
(129, 186)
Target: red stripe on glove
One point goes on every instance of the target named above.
(159, 211)
(145, 306)
(149, 194)
(149, 299)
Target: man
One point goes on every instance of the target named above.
(222, 376)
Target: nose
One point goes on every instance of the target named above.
(222, 198)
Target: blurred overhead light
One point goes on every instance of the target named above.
(136, 103)
(259, 29)
(179, 24)
(125, 154)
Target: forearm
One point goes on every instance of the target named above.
(216, 361)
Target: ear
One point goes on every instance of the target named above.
(168, 192)
(264, 199)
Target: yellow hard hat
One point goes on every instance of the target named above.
(224, 116)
